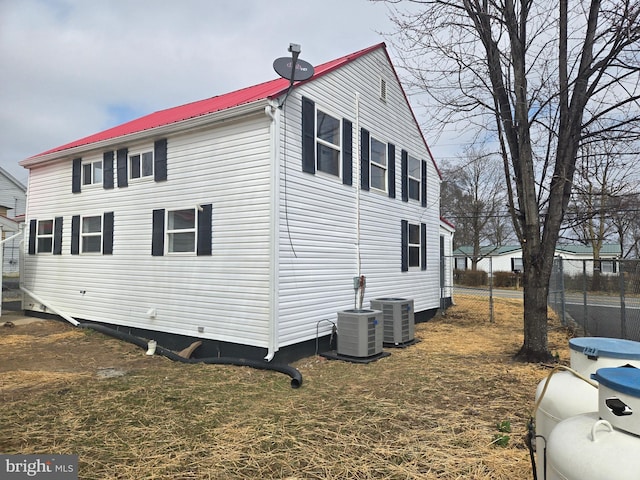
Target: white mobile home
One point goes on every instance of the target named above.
(242, 219)
(509, 258)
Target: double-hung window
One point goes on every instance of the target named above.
(181, 230)
(141, 165)
(92, 173)
(44, 236)
(91, 234)
(414, 177)
(414, 245)
(328, 143)
(378, 159)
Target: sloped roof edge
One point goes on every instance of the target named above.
(266, 90)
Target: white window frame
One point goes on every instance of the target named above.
(92, 167)
(413, 245)
(373, 164)
(321, 142)
(170, 232)
(44, 236)
(88, 235)
(140, 154)
(413, 178)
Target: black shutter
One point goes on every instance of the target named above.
(404, 175)
(423, 184)
(308, 136)
(364, 159)
(391, 169)
(107, 165)
(76, 175)
(204, 230)
(423, 246)
(513, 264)
(404, 239)
(157, 240)
(57, 236)
(160, 160)
(123, 160)
(347, 152)
(75, 235)
(107, 233)
(33, 225)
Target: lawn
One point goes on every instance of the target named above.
(432, 410)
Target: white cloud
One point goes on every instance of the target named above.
(72, 67)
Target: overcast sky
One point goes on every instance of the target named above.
(71, 68)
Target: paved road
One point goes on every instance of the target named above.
(602, 317)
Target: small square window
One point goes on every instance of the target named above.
(141, 165)
(92, 173)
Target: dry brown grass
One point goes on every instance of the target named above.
(427, 411)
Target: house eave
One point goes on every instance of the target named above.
(154, 132)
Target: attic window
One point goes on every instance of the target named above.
(383, 89)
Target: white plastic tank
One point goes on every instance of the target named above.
(588, 354)
(619, 398)
(584, 447)
(567, 395)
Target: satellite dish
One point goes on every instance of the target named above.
(284, 65)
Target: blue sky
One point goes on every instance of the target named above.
(71, 68)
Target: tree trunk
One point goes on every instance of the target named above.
(536, 291)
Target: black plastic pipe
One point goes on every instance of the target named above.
(296, 376)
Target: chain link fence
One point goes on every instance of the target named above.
(596, 297)
(599, 297)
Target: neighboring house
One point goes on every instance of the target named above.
(447, 230)
(13, 199)
(509, 258)
(242, 219)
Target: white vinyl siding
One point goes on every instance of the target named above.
(319, 227)
(226, 294)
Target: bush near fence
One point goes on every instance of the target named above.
(505, 279)
(470, 278)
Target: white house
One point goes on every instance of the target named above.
(242, 219)
(509, 258)
(447, 231)
(13, 201)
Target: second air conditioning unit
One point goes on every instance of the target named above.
(398, 319)
(359, 333)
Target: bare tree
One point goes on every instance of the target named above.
(473, 197)
(541, 77)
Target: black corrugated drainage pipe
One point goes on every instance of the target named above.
(296, 376)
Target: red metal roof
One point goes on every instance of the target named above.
(271, 89)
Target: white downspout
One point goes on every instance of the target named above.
(356, 154)
(273, 112)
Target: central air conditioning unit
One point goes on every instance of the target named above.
(359, 333)
(398, 319)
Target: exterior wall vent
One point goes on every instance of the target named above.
(359, 333)
(398, 319)
(383, 89)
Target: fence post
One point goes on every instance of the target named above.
(491, 289)
(563, 318)
(585, 305)
(623, 313)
